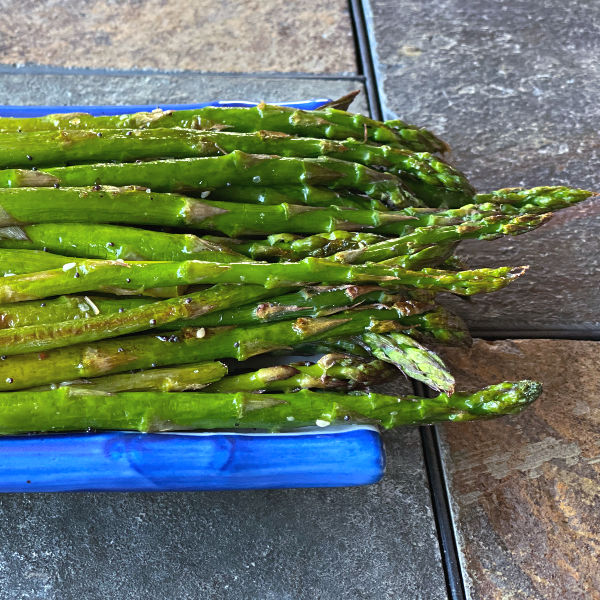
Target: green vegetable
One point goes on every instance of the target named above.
(436, 181)
(171, 379)
(135, 277)
(307, 195)
(326, 123)
(112, 242)
(332, 371)
(33, 338)
(189, 345)
(66, 409)
(412, 358)
(197, 175)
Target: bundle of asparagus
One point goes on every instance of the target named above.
(139, 251)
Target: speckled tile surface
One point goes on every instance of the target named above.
(200, 35)
(526, 488)
(376, 542)
(17, 87)
(513, 86)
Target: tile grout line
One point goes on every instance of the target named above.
(365, 58)
(440, 501)
(431, 451)
(33, 69)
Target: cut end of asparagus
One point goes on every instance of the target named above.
(342, 103)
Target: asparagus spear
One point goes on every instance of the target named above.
(134, 206)
(435, 180)
(347, 246)
(190, 345)
(485, 229)
(407, 131)
(32, 338)
(327, 123)
(16, 262)
(20, 262)
(65, 409)
(113, 242)
(332, 371)
(311, 302)
(413, 359)
(110, 242)
(134, 277)
(171, 379)
(307, 195)
(64, 308)
(437, 326)
(197, 175)
(533, 202)
(290, 247)
(545, 198)
(249, 219)
(307, 302)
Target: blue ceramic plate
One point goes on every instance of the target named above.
(126, 461)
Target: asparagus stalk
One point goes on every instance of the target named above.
(413, 359)
(307, 302)
(350, 247)
(332, 371)
(306, 195)
(64, 308)
(437, 326)
(440, 326)
(20, 262)
(492, 227)
(113, 242)
(134, 277)
(328, 123)
(65, 409)
(197, 175)
(290, 247)
(406, 131)
(435, 180)
(171, 379)
(190, 345)
(34, 338)
(136, 207)
(545, 198)
(133, 206)
(16, 262)
(523, 202)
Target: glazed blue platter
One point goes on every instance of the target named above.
(129, 461)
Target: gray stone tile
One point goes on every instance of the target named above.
(204, 35)
(512, 86)
(18, 87)
(525, 488)
(375, 542)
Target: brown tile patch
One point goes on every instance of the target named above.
(526, 489)
(202, 35)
